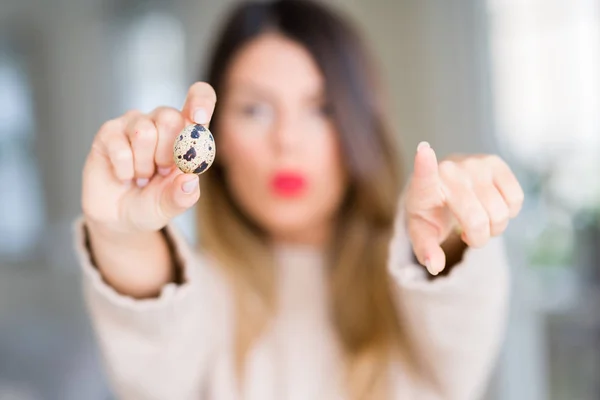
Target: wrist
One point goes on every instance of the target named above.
(137, 264)
(108, 234)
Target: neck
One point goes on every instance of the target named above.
(317, 238)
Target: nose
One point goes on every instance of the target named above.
(286, 133)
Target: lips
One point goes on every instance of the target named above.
(288, 184)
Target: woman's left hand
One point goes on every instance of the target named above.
(471, 196)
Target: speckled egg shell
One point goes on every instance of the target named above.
(194, 149)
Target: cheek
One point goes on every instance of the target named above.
(327, 164)
(246, 162)
(240, 153)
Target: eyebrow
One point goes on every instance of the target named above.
(247, 88)
(253, 90)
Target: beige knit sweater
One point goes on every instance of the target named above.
(179, 346)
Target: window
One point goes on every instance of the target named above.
(545, 57)
(21, 200)
(546, 73)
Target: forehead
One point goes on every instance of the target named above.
(276, 64)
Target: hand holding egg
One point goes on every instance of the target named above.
(130, 183)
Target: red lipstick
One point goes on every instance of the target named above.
(288, 184)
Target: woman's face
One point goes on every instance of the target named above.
(278, 143)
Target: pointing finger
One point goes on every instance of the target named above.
(425, 189)
(426, 247)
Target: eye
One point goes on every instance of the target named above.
(256, 110)
(322, 110)
(326, 110)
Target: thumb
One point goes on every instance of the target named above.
(425, 183)
(179, 195)
(426, 247)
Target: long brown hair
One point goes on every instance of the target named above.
(363, 309)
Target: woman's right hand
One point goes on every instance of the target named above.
(132, 189)
(130, 183)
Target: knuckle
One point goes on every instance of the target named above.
(514, 211)
(131, 114)
(498, 227)
(124, 174)
(122, 155)
(499, 217)
(144, 129)
(477, 239)
(515, 203)
(480, 241)
(143, 171)
(501, 169)
(495, 160)
(498, 223)
(497, 207)
(169, 118)
(447, 169)
(479, 169)
(472, 163)
(477, 221)
(109, 127)
(517, 199)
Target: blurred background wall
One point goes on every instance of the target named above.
(517, 77)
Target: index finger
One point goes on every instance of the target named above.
(199, 103)
(425, 183)
(426, 246)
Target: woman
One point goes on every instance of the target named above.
(313, 278)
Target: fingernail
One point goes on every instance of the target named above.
(423, 145)
(190, 185)
(164, 171)
(141, 182)
(200, 116)
(428, 266)
(127, 183)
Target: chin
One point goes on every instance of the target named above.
(290, 222)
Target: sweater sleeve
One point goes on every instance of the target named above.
(157, 348)
(454, 323)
